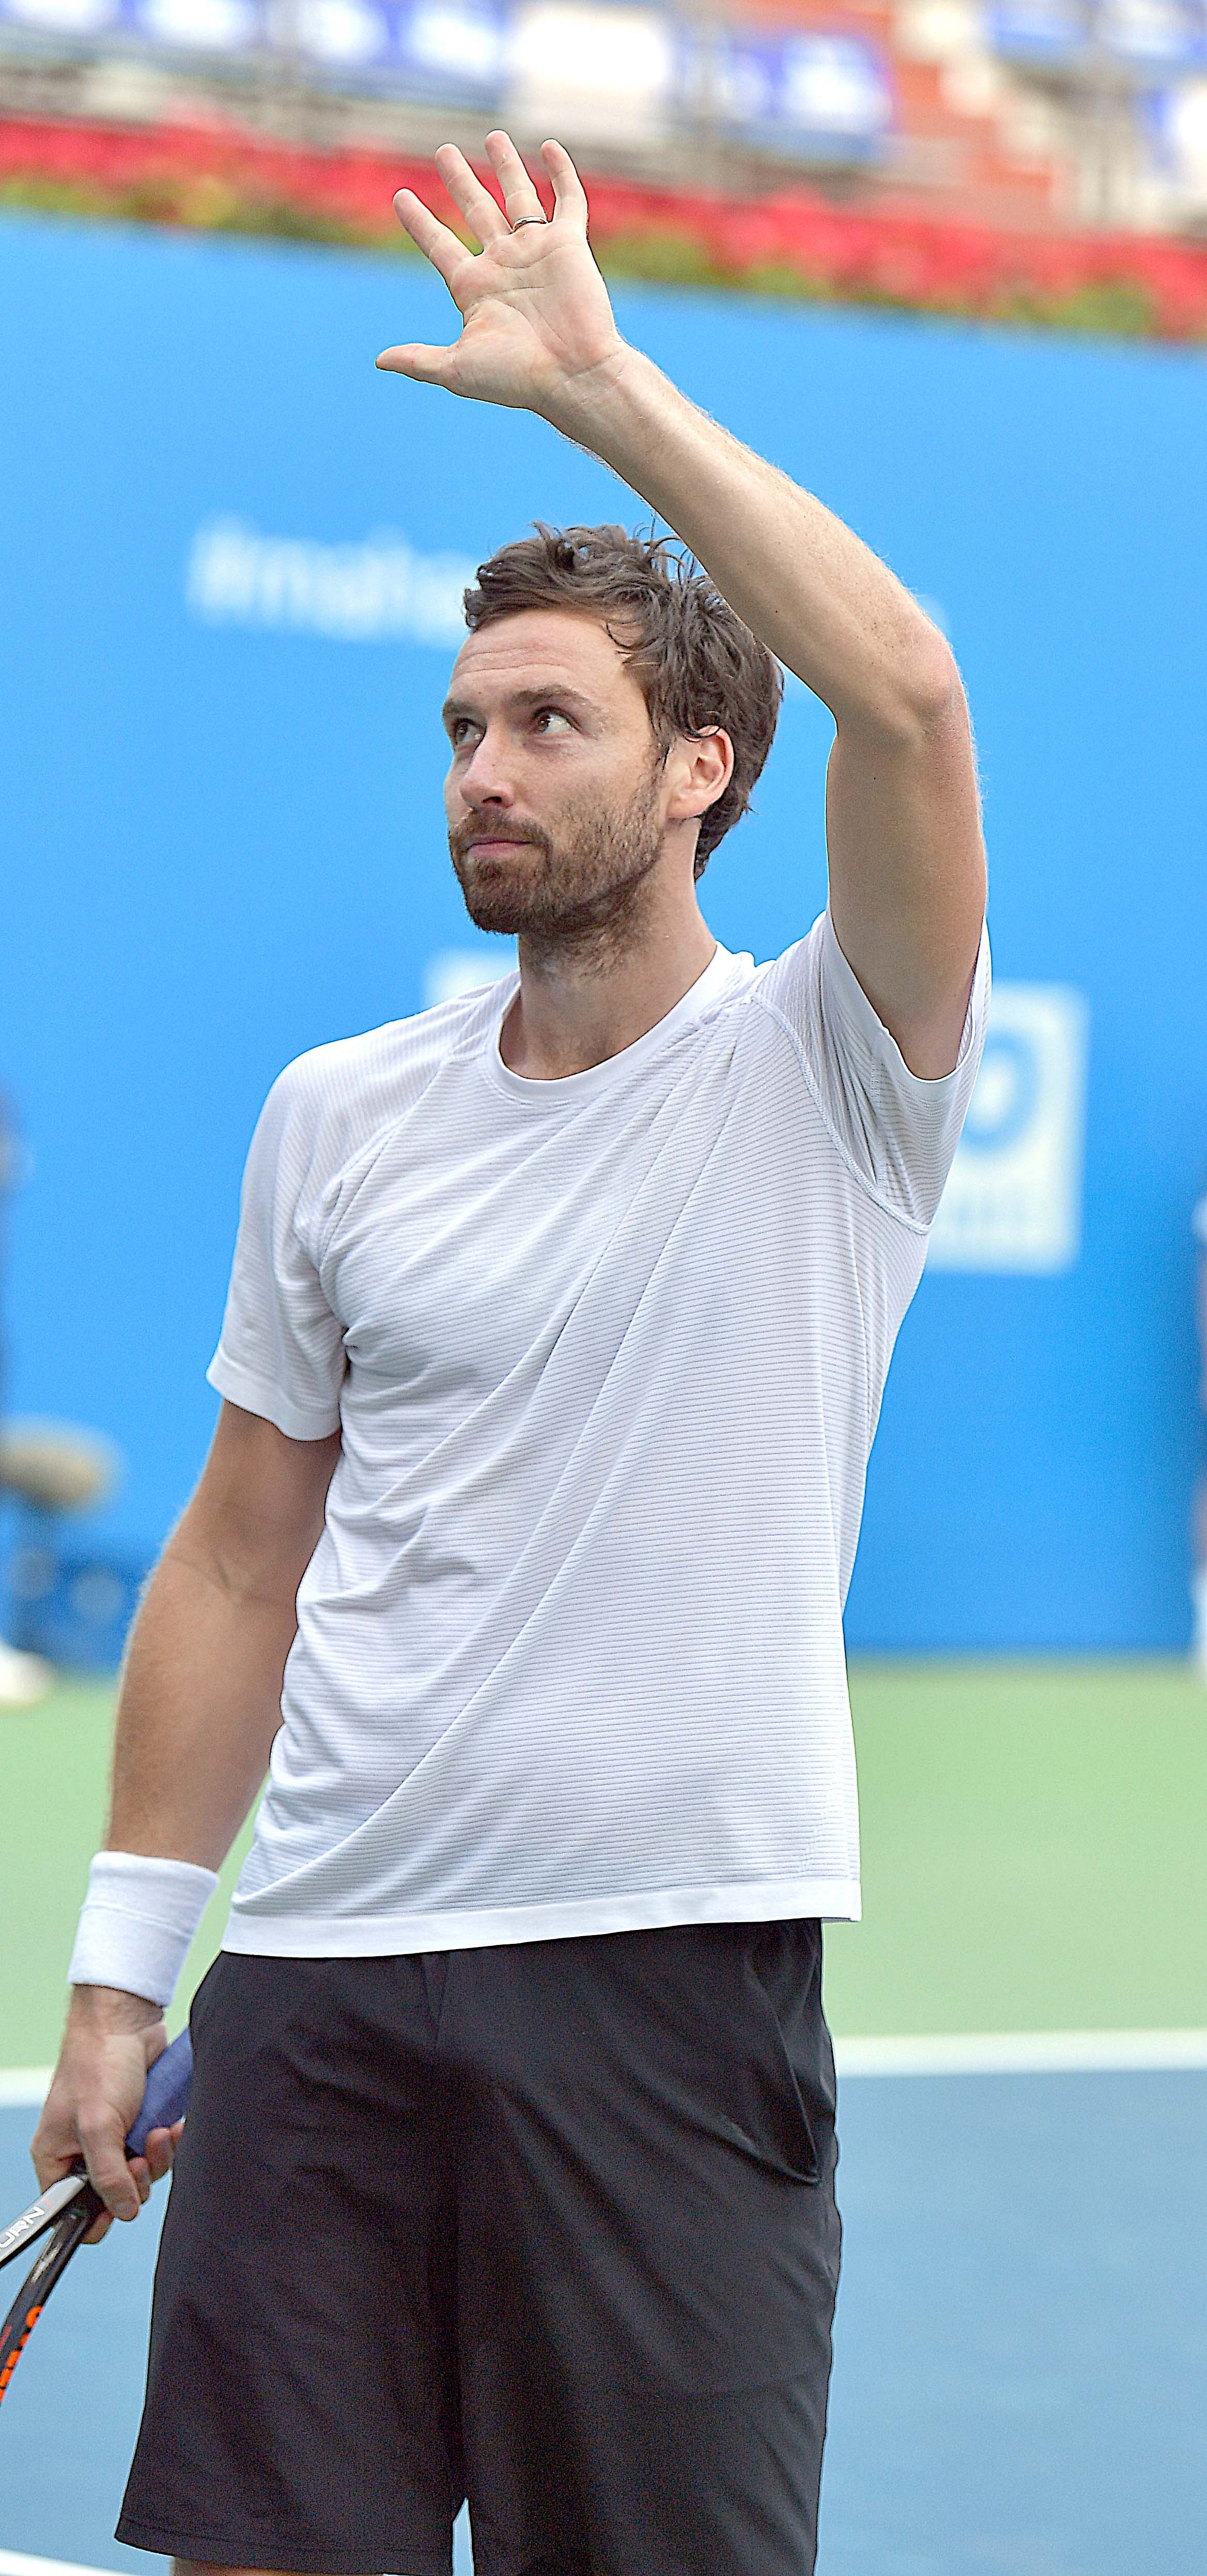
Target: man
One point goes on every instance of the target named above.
(554, 1348)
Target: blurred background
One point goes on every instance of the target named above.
(947, 265)
(1014, 111)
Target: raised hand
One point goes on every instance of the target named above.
(535, 315)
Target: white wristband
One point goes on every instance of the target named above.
(137, 1921)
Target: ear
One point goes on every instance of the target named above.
(698, 771)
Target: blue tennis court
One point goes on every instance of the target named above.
(1021, 2348)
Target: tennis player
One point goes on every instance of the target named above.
(555, 1342)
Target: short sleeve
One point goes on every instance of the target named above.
(281, 1352)
(895, 1130)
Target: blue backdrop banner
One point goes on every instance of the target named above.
(232, 563)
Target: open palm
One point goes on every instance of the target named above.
(534, 309)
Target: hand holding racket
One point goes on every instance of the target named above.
(69, 2207)
(110, 2043)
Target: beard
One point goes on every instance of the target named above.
(583, 888)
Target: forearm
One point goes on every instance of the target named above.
(200, 1699)
(199, 1705)
(198, 1708)
(806, 584)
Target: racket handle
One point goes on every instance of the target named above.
(167, 2095)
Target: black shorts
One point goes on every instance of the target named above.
(550, 2225)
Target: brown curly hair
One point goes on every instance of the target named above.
(697, 664)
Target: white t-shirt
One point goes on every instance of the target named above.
(607, 1355)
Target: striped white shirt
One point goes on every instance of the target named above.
(607, 1355)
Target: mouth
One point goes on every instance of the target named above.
(487, 845)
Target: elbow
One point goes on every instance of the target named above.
(933, 692)
(917, 705)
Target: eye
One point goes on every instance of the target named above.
(458, 729)
(552, 720)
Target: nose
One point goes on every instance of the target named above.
(484, 779)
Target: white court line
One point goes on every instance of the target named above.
(976, 2052)
(1022, 2052)
(14, 2562)
(23, 2085)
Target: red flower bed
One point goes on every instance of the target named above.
(791, 245)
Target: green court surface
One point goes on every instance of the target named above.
(1033, 1852)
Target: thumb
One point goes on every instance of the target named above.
(426, 365)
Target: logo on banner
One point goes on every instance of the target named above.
(1013, 1196)
(378, 592)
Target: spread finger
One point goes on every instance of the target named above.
(519, 193)
(429, 235)
(570, 196)
(482, 212)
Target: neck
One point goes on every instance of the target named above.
(582, 1001)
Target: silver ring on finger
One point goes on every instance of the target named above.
(528, 219)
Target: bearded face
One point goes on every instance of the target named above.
(565, 881)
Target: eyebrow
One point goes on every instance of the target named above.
(454, 707)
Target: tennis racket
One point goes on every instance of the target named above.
(67, 2208)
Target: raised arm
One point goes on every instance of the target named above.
(907, 872)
